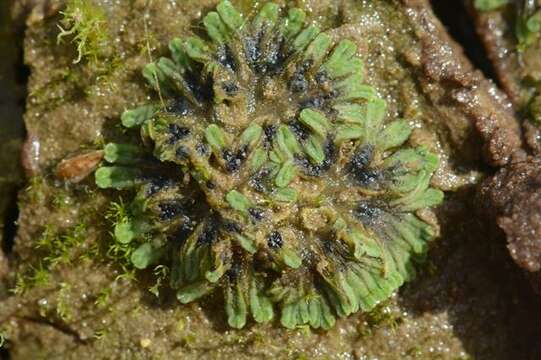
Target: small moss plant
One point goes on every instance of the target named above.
(34, 276)
(59, 247)
(103, 298)
(63, 310)
(56, 248)
(309, 190)
(86, 23)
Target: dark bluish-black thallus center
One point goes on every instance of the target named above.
(265, 55)
(230, 88)
(179, 105)
(201, 88)
(232, 227)
(259, 181)
(319, 169)
(256, 213)
(170, 210)
(209, 234)
(181, 153)
(185, 229)
(277, 58)
(320, 101)
(359, 167)
(274, 240)
(235, 271)
(270, 133)
(158, 183)
(202, 149)
(300, 131)
(299, 81)
(226, 58)
(177, 133)
(252, 48)
(368, 213)
(234, 160)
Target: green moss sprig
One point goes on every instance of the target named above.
(86, 24)
(310, 190)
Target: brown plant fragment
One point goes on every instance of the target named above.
(77, 168)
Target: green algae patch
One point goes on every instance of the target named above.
(311, 188)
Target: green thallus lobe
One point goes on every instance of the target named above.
(312, 194)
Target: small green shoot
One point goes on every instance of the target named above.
(63, 309)
(86, 23)
(160, 272)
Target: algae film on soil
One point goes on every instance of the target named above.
(267, 169)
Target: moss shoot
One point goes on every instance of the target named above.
(85, 23)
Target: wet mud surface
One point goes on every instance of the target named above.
(72, 300)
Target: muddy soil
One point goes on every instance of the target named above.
(70, 299)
